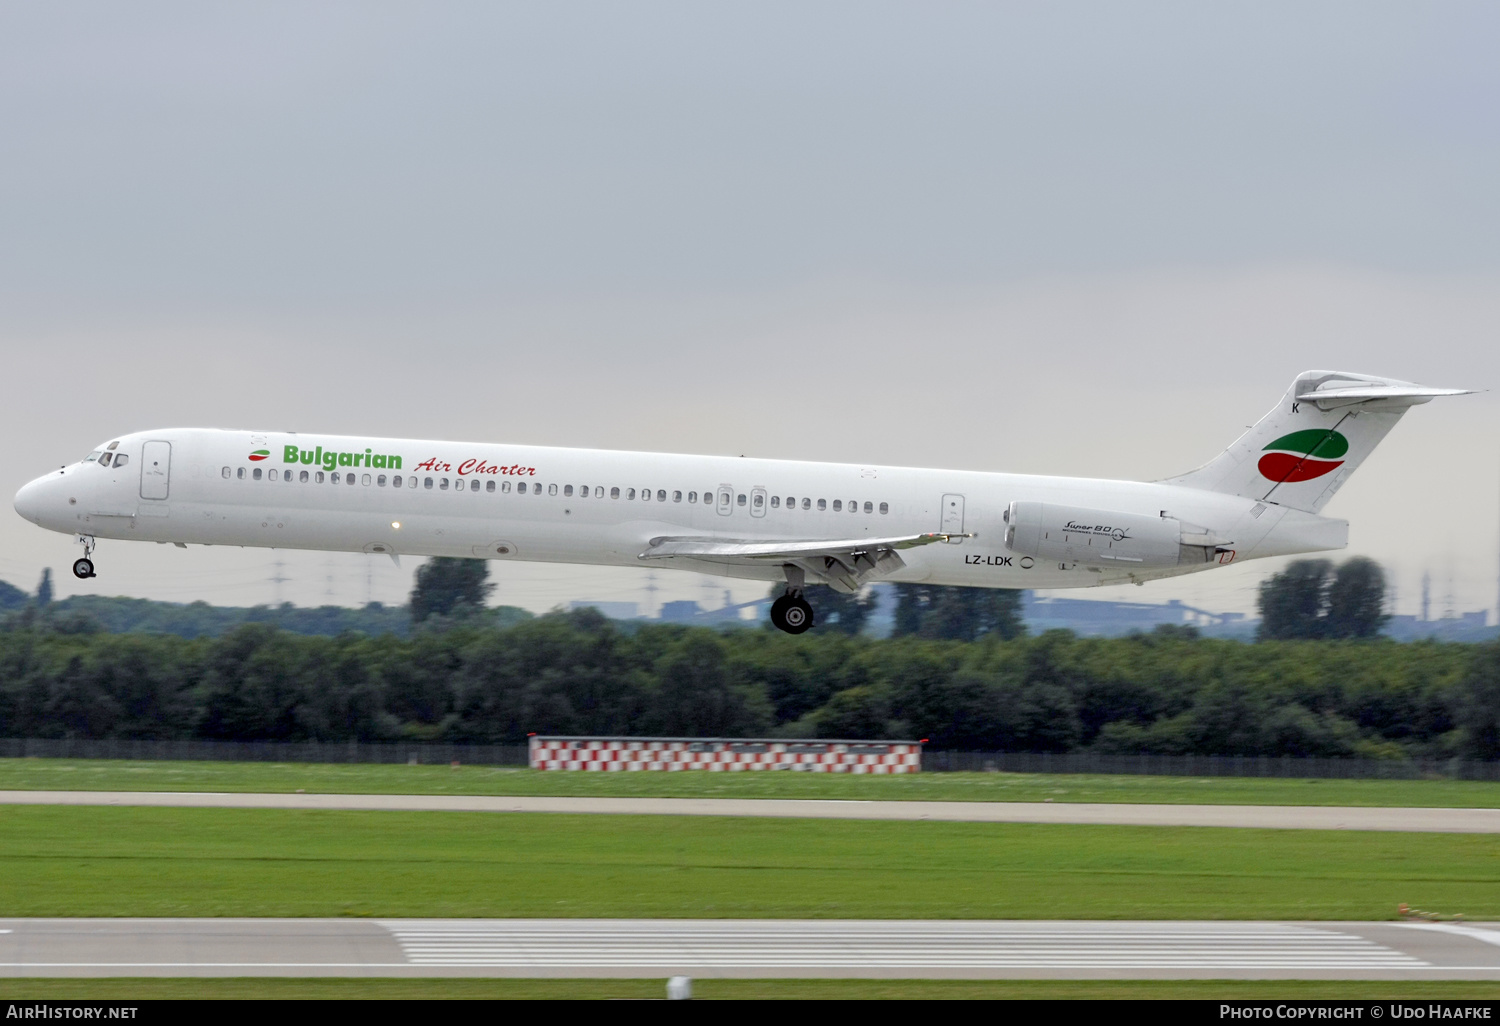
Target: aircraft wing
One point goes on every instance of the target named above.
(844, 564)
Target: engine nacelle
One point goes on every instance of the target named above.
(1097, 537)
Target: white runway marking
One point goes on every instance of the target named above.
(955, 945)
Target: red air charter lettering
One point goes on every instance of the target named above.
(468, 467)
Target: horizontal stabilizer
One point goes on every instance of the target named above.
(1330, 396)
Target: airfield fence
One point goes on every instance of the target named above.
(939, 761)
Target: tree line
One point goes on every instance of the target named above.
(579, 673)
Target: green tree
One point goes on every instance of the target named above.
(1292, 602)
(44, 589)
(957, 614)
(1356, 600)
(447, 587)
(1312, 599)
(1476, 705)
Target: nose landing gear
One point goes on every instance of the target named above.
(791, 612)
(83, 568)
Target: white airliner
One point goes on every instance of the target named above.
(837, 524)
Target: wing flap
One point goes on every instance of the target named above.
(843, 563)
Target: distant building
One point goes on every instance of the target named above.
(613, 610)
(1099, 618)
(1464, 627)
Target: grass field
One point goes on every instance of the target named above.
(144, 989)
(113, 775)
(110, 861)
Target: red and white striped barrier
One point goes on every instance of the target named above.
(717, 753)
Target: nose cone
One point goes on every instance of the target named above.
(30, 500)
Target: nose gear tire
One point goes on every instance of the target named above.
(83, 568)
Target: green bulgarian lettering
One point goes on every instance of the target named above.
(393, 462)
(346, 459)
(290, 454)
(330, 460)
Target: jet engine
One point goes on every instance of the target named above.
(1097, 537)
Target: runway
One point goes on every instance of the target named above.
(748, 948)
(1278, 817)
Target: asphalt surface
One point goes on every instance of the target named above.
(748, 948)
(1282, 817)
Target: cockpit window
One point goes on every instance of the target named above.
(121, 459)
(91, 457)
(104, 460)
(112, 446)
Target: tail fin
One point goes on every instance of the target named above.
(1304, 449)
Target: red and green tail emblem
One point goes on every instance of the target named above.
(1303, 455)
(260, 454)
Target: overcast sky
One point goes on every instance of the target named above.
(1048, 237)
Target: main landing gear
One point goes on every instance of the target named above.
(83, 568)
(791, 612)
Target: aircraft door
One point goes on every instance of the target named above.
(726, 500)
(757, 502)
(953, 517)
(156, 469)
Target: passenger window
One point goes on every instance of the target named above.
(226, 472)
(272, 475)
(567, 490)
(302, 477)
(395, 481)
(489, 486)
(645, 495)
(869, 507)
(256, 473)
(614, 493)
(598, 491)
(520, 487)
(239, 473)
(740, 500)
(380, 481)
(676, 496)
(837, 505)
(505, 486)
(822, 504)
(104, 460)
(427, 482)
(807, 504)
(692, 496)
(775, 502)
(364, 479)
(319, 478)
(760, 500)
(348, 479)
(442, 484)
(884, 508)
(552, 489)
(661, 495)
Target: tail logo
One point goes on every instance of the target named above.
(259, 454)
(1303, 455)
